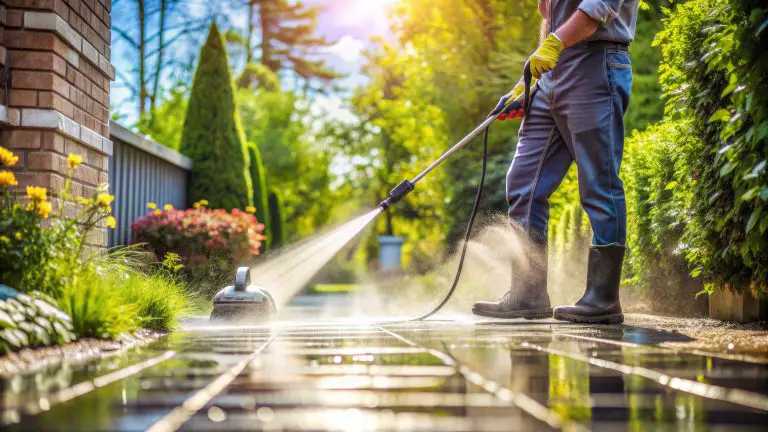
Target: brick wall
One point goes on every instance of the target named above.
(58, 97)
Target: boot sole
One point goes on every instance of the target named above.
(530, 314)
(605, 319)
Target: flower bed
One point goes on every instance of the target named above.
(45, 255)
(211, 243)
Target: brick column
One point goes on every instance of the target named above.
(60, 74)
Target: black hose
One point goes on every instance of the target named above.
(467, 233)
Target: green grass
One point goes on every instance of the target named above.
(119, 293)
(332, 288)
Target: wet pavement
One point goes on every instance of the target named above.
(450, 374)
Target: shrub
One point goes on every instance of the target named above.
(212, 137)
(259, 182)
(30, 322)
(210, 242)
(715, 75)
(277, 219)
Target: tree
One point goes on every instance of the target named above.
(399, 130)
(294, 162)
(259, 184)
(153, 32)
(212, 137)
(287, 41)
(277, 219)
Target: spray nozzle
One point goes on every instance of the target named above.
(399, 192)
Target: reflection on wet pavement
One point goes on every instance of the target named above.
(457, 375)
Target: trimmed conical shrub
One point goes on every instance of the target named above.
(212, 137)
(277, 219)
(259, 184)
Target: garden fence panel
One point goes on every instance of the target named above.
(142, 171)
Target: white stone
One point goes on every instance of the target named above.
(107, 147)
(91, 138)
(40, 20)
(40, 118)
(50, 119)
(3, 114)
(69, 126)
(90, 52)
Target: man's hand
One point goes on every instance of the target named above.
(545, 58)
(510, 106)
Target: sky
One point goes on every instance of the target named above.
(348, 23)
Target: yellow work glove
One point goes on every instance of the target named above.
(545, 58)
(511, 105)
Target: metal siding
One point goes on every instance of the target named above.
(137, 177)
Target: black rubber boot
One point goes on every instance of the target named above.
(527, 298)
(600, 303)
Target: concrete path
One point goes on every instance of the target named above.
(456, 374)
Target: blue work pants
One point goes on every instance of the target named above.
(576, 115)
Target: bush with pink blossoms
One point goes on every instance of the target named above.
(211, 243)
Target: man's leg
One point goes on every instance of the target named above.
(540, 163)
(593, 111)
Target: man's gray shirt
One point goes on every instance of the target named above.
(617, 18)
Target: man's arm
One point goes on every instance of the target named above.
(578, 27)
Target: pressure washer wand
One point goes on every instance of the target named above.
(407, 186)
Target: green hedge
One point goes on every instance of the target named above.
(259, 185)
(715, 77)
(212, 137)
(277, 219)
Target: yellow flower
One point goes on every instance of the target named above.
(7, 157)
(168, 207)
(85, 201)
(37, 193)
(157, 212)
(203, 202)
(44, 208)
(250, 209)
(7, 179)
(196, 205)
(74, 160)
(18, 235)
(151, 205)
(111, 222)
(104, 199)
(4, 239)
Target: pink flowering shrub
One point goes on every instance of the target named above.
(211, 243)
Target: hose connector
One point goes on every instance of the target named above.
(399, 192)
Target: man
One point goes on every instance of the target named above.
(577, 114)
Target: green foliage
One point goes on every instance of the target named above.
(277, 219)
(715, 76)
(647, 105)
(169, 116)
(212, 136)
(120, 293)
(295, 163)
(260, 197)
(30, 321)
(258, 76)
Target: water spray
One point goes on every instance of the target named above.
(253, 303)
